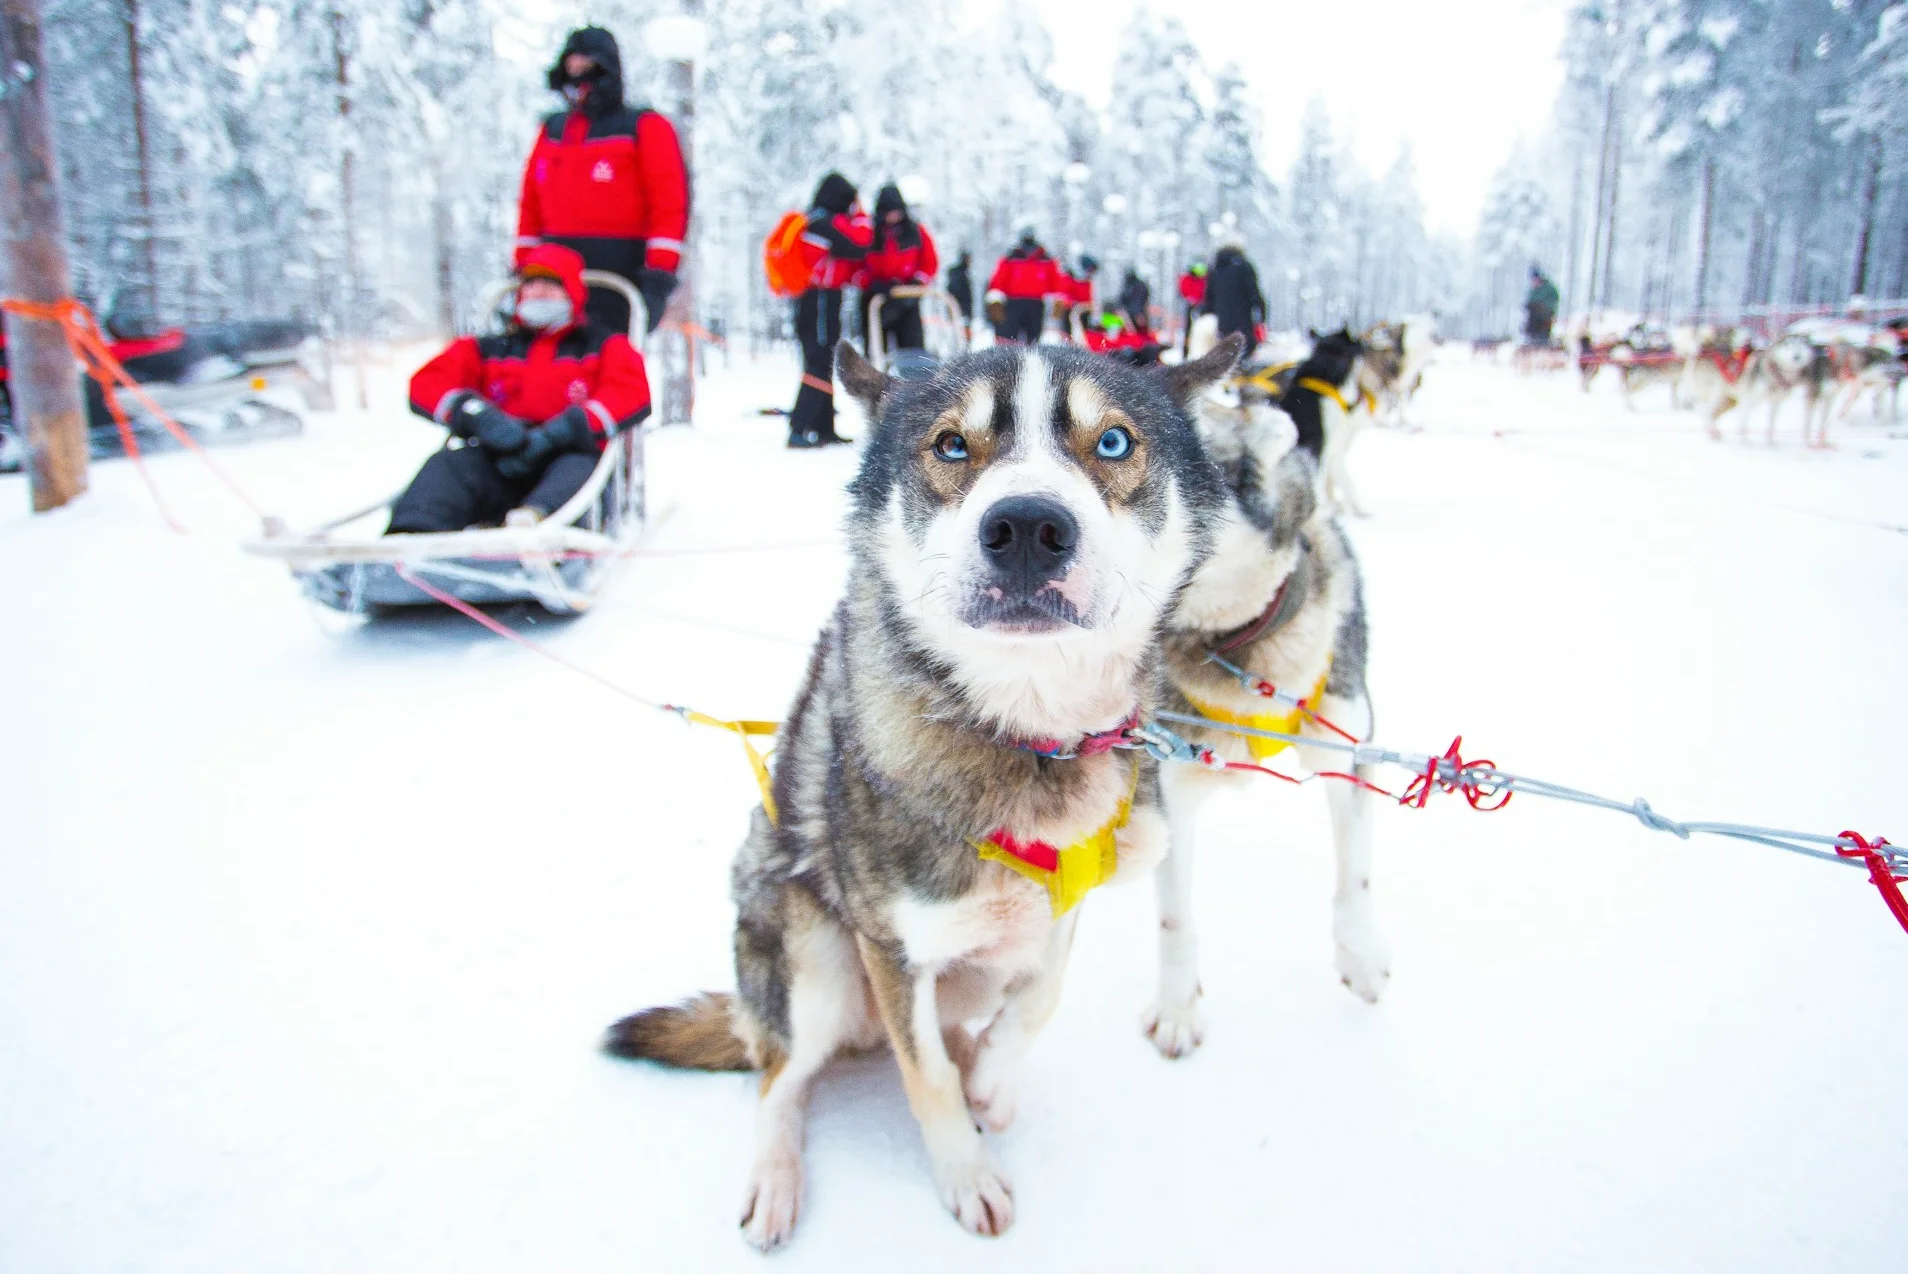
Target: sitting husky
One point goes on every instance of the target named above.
(1277, 597)
(945, 787)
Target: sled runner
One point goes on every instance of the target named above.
(561, 562)
(940, 326)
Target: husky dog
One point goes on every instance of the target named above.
(1793, 363)
(1395, 358)
(1326, 404)
(1022, 523)
(1647, 357)
(1278, 597)
(1717, 377)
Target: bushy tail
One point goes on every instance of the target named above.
(696, 1035)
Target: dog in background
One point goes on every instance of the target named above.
(1328, 409)
(1279, 597)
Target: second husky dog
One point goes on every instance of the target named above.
(1278, 597)
(944, 786)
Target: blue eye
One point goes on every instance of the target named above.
(951, 447)
(1114, 444)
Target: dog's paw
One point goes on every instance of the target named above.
(772, 1201)
(1175, 1030)
(991, 1097)
(1363, 966)
(976, 1193)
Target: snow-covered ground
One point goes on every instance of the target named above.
(308, 931)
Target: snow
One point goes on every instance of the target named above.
(311, 929)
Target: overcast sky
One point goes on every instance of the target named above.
(1459, 79)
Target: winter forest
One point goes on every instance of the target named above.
(356, 161)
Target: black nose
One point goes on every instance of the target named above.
(1029, 539)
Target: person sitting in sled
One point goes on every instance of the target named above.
(534, 407)
(1107, 334)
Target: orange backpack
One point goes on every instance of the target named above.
(788, 258)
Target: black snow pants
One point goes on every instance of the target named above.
(818, 328)
(1025, 318)
(900, 322)
(457, 488)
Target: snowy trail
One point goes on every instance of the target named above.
(309, 932)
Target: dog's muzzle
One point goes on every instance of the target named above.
(1028, 544)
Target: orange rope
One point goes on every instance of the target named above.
(89, 347)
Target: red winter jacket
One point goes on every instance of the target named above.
(888, 262)
(612, 186)
(1193, 289)
(1028, 272)
(844, 239)
(535, 376)
(1079, 288)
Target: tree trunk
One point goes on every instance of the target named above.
(138, 91)
(349, 318)
(1702, 237)
(1573, 252)
(442, 233)
(1610, 223)
(679, 363)
(41, 379)
(1603, 191)
(1870, 190)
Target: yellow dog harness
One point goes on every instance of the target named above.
(1285, 721)
(1068, 873)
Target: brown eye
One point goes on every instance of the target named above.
(951, 446)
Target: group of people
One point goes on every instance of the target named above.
(888, 257)
(605, 188)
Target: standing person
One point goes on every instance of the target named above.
(1025, 278)
(1192, 294)
(1233, 296)
(1540, 308)
(1136, 302)
(607, 180)
(960, 287)
(838, 227)
(535, 407)
(1079, 287)
(902, 254)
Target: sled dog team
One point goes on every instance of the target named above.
(1046, 550)
(1715, 371)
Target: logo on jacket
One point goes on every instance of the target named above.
(497, 392)
(602, 172)
(579, 391)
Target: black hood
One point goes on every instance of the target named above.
(888, 201)
(1227, 256)
(599, 45)
(835, 194)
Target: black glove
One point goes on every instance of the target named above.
(475, 417)
(655, 286)
(567, 432)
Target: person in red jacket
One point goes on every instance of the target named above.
(902, 253)
(1026, 277)
(1192, 292)
(533, 407)
(607, 180)
(843, 234)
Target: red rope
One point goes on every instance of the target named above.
(1886, 882)
(1475, 794)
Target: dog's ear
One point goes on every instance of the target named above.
(1316, 335)
(1185, 382)
(864, 381)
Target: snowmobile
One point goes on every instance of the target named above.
(223, 382)
(562, 562)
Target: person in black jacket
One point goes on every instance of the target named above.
(1233, 296)
(1136, 301)
(960, 287)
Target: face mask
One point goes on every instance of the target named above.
(544, 313)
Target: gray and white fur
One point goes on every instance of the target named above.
(1022, 524)
(1272, 534)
